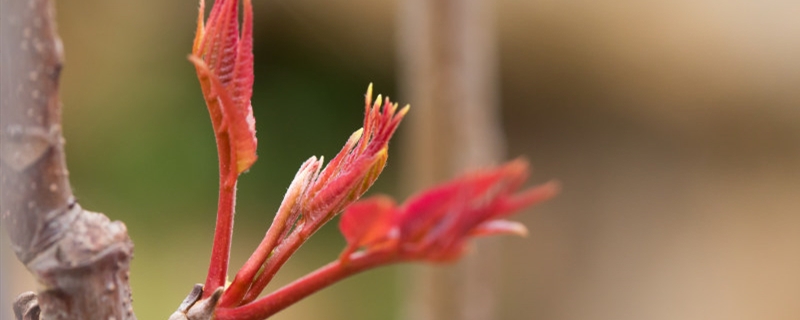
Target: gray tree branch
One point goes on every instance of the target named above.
(80, 257)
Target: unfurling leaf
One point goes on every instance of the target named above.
(223, 59)
(435, 224)
(355, 168)
(367, 222)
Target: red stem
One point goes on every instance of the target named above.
(279, 256)
(244, 288)
(243, 279)
(305, 286)
(223, 231)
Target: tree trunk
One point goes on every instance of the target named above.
(80, 257)
(449, 75)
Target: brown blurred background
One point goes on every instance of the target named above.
(673, 126)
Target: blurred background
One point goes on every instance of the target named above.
(674, 128)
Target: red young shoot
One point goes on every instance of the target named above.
(224, 62)
(434, 226)
(316, 195)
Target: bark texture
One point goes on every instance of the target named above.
(80, 257)
(449, 75)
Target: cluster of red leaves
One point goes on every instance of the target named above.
(435, 225)
(316, 195)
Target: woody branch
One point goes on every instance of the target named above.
(80, 257)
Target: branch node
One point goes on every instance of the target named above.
(192, 308)
(26, 306)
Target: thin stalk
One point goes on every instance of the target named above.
(311, 283)
(279, 256)
(241, 283)
(223, 231)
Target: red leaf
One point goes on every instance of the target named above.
(367, 222)
(356, 167)
(224, 62)
(436, 224)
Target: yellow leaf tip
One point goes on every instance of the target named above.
(369, 93)
(355, 136)
(404, 110)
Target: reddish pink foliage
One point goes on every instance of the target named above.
(316, 195)
(368, 222)
(224, 62)
(436, 224)
(348, 175)
(223, 59)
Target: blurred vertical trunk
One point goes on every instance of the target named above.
(80, 257)
(448, 68)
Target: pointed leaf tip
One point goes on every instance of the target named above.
(403, 111)
(356, 136)
(500, 227)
